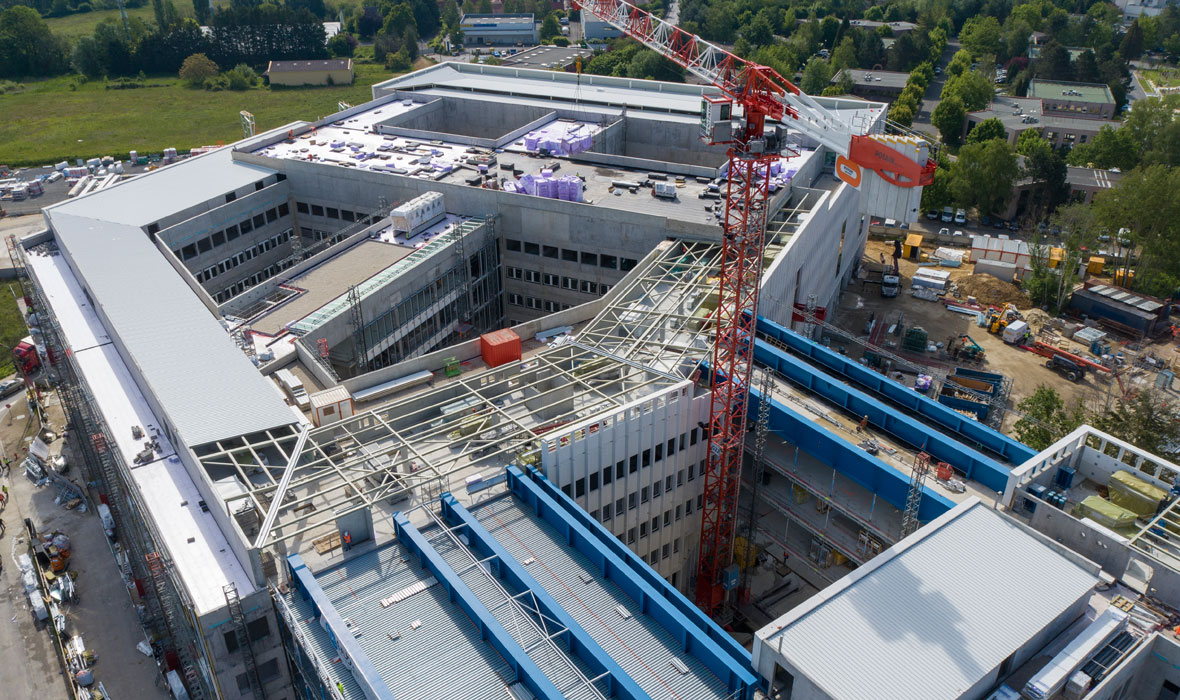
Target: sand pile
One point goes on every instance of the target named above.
(1037, 319)
(989, 290)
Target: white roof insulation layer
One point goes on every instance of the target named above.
(152, 196)
(75, 316)
(933, 615)
(199, 550)
(206, 386)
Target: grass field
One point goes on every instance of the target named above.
(83, 23)
(48, 122)
(1163, 78)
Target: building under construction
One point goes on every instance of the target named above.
(528, 501)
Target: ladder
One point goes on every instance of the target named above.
(234, 603)
(913, 499)
(165, 609)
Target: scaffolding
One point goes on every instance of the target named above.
(913, 499)
(242, 635)
(135, 551)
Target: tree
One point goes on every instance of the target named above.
(987, 130)
(1131, 47)
(1147, 421)
(27, 47)
(87, 58)
(196, 68)
(1145, 202)
(973, 89)
(400, 16)
(550, 27)
(342, 44)
(845, 54)
(816, 75)
(485, 7)
(1110, 148)
(948, 118)
(938, 194)
(650, 65)
(759, 32)
(902, 114)
(1054, 63)
(1046, 169)
(1154, 129)
(1086, 68)
(980, 35)
(1046, 418)
(201, 11)
(984, 175)
(960, 63)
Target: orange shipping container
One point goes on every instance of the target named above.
(499, 347)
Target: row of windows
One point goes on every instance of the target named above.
(535, 303)
(244, 256)
(623, 467)
(258, 277)
(328, 212)
(646, 528)
(314, 235)
(230, 233)
(538, 277)
(610, 262)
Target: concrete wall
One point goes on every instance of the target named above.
(448, 116)
(312, 77)
(227, 665)
(663, 138)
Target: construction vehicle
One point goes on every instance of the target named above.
(1073, 371)
(26, 358)
(963, 348)
(889, 171)
(890, 285)
(998, 319)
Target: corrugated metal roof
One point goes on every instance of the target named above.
(330, 396)
(934, 615)
(443, 659)
(207, 387)
(152, 196)
(638, 644)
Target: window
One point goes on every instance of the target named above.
(643, 529)
(589, 258)
(269, 670)
(672, 447)
(659, 452)
(231, 197)
(680, 478)
(631, 501)
(569, 255)
(594, 481)
(607, 475)
(589, 287)
(231, 233)
(700, 500)
(692, 436)
(610, 262)
(619, 507)
(272, 215)
(631, 536)
(645, 494)
(634, 463)
(664, 551)
(678, 512)
(688, 507)
(549, 251)
(259, 220)
(667, 518)
(655, 525)
(284, 209)
(646, 458)
(656, 490)
(606, 512)
(317, 210)
(532, 248)
(347, 215)
(655, 556)
(515, 300)
(619, 470)
(603, 288)
(628, 264)
(204, 245)
(566, 489)
(668, 483)
(569, 283)
(512, 245)
(594, 514)
(580, 487)
(551, 280)
(333, 213)
(683, 437)
(676, 545)
(219, 238)
(301, 207)
(189, 251)
(532, 276)
(691, 467)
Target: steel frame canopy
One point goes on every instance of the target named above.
(297, 484)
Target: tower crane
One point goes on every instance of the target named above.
(889, 171)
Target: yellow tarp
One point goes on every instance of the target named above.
(1107, 514)
(1135, 494)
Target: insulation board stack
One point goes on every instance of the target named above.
(1135, 494)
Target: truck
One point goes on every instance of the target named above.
(890, 284)
(25, 356)
(666, 190)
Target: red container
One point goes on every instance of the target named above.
(499, 347)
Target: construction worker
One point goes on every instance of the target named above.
(347, 539)
(864, 424)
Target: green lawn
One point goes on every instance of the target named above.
(48, 122)
(1163, 78)
(83, 23)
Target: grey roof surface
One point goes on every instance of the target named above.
(875, 78)
(297, 66)
(208, 388)
(1004, 108)
(484, 20)
(147, 198)
(447, 646)
(1092, 177)
(547, 57)
(934, 614)
(638, 644)
(1070, 91)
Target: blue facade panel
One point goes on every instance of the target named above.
(1010, 450)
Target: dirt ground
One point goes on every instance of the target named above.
(861, 303)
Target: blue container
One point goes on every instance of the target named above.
(1039, 491)
(1064, 478)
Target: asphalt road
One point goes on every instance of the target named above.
(933, 90)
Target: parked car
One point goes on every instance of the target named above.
(948, 215)
(932, 215)
(938, 70)
(944, 231)
(959, 232)
(1013, 226)
(998, 224)
(960, 216)
(9, 386)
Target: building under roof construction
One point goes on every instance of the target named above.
(363, 261)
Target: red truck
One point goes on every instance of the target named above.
(26, 358)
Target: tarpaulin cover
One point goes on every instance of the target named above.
(1107, 514)
(1135, 494)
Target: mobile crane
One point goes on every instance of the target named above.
(889, 171)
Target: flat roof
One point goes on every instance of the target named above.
(195, 543)
(879, 78)
(481, 21)
(547, 57)
(297, 66)
(1070, 91)
(933, 615)
(208, 388)
(1011, 112)
(327, 281)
